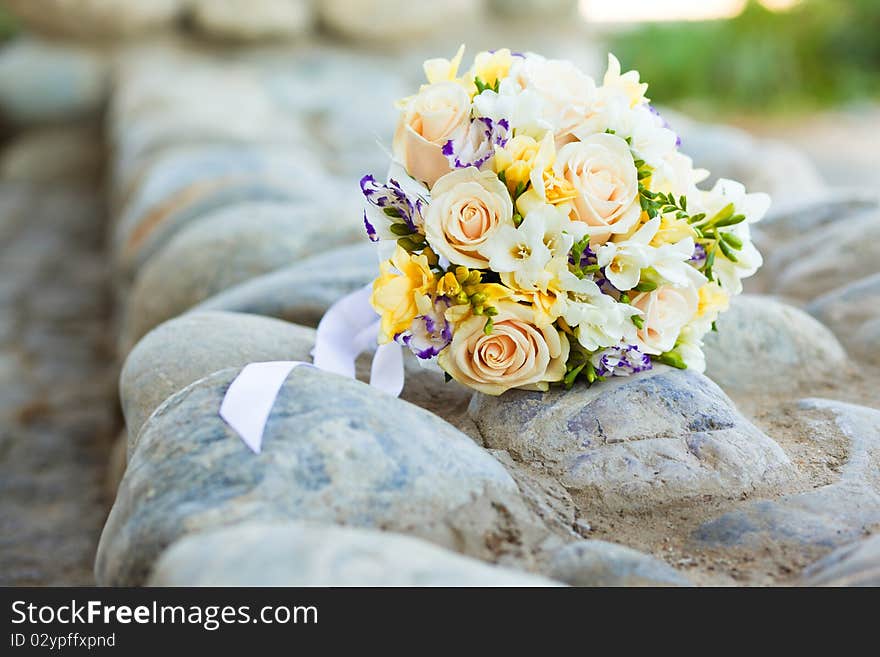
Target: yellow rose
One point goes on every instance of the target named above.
(397, 295)
(516, 354)
(672, 230)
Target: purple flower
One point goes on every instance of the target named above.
(621, 360)
(371, 230)
(699, 255)
(477, 145)
(430, 333)
(393, 201)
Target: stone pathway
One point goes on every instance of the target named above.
(232, 226)
(57, 377)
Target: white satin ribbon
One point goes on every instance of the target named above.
(349, 327)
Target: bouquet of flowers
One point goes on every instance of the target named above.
(538, 228)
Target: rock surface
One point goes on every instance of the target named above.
(599, 563)
(297, 554)
(95, 18)
(334, 451)
(303, 292)
(857, 564)
(763, 345)
(827, 516)
(853, 313)
(252, 20)
(662, 437)
(222, 249)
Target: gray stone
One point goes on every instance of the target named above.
(299, 554)
(191, 347)
(392, 20)
(303, 292)
(853, 313)
(195, 345)
(599, 563)
(763, 346)
(825, 517)
(88, 19)
(857, 564)
(253, 20)
(40, 81)
(225, 248)
(794, 218)
(824, 260)
(187, 183)
(659, 438)
(334, 451)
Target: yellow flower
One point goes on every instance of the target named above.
(516, 160)
(712, 301)
(443, 70)
(672, 230)
(399, 291)
(492, 66)
(546, 186)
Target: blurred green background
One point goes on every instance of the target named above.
(812, 55)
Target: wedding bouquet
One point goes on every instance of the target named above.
(538, 228)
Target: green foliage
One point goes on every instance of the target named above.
(9, 26)
(820, 52)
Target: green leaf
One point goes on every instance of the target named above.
(401, 230)
(727, 251)
(572, 374)
(645, 286)
(672, 359)
(732, 240)
(730, 221)
(393, 212)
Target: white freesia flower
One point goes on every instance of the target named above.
(623, 262)
(522, 108)
(600, 321)
(748, 261)
(628, 83)
(753, 206)
(525, 252)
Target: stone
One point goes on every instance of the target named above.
(793, 218)
(857, 564)
(303, 292)
(252, 20)
(545, 10)
(222, 249)
(57, 154)
(299, 554)
(397, 20)
(187, 183)
(192, 346)
(42, 82)
(600, 563)
(88, 19)
(821, 518)
(763, 346)
(659, 438)
(334, 451)
(853, 313)
(761, 165)
(821, 261)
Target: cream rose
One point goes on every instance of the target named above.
(565, 92)
(516, 354)
(602, 170)
(666, 311)
(466, 207)
(438, 113)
